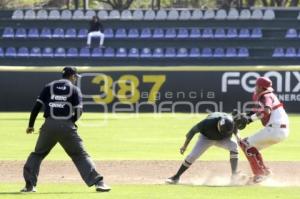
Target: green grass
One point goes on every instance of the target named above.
(76, 191)
(132, 137)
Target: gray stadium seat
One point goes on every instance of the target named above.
(182, 52)
(10, 52)
(209, 14)
(114, 14)
(29, 14)
(291, 33)
(185, 15)
(257, 14)
(102, 14)
(149, 15)
(97, 52)
(54, 14)
(60, 52)
(133, 52)
(138, 15)
(245, 14)
(161, 15)
(89, 14)
(18, 14)
(126, 15)
(278, 52)
(42, 14)
(233, 14)
(66, 14)
(23, 52)
(173, 15)
(35, 52)
(269, 14)
(78, 14)
(221, 14)
(196, 15)
(121, 52)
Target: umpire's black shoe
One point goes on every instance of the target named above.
(28, 189)
(172, 180)
(102, 187)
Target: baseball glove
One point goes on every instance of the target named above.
(240, 119)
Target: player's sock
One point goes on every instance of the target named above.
(233, 161)
(185, 165)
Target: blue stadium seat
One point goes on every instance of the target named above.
(194, 52)
(33, 33)
(8, 32)
(71, 33)
(133, 33)
(46, 33)
(158, 53)
(72, 52)
(232, 33)
(35, 52)
(170, 52)
(146, 33)
(108, 32)
(23, 52)
(278, 52)
(183, 33)
(170, 33)
(133, 52)
(20, 33)
(182, 52)
(290, 52)
(10, 52)
(47, 52)
(244, 33)
(121, 52)
(195, 33)
(207, 52)
(219, 52)
(158, 33)
(58, 33)
(97, 52)
(146, 52)
(220, 33)
(256, 33)
(121, 33)
(1, 52)
(291, 33)
(60, 52)
(243, 52)
(84, 52)
(231, 52)
(82, 33)
(109, 52)
(207, 33)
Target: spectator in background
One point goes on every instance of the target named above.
(96, 30)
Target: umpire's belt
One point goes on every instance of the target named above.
(282, 126)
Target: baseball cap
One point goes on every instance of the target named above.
(69, 70)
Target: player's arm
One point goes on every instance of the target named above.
(77, 103)
(189, 137)
(267, 103)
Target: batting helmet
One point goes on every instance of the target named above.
(226, 124)
(264, 82)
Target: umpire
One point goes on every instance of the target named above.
(62, 103)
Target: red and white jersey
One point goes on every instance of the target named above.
(278, 115)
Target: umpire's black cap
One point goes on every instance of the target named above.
(68, 71)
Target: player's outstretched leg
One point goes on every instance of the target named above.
(175, 179)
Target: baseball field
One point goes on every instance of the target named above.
(136, 153)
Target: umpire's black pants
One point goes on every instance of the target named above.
(65, 133)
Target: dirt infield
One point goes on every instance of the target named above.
(151, 172)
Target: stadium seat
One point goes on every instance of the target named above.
(290, 52)
(138, 15)
(278, 52)
(257, 14)
(243, 52)
(244, 33)
(42, 14)
(158, 53)
(121, 52)
(145, 53)
(291, 33)
(209, 14)
(10, 52)
(146, 33)
(220, 33)
(173, 15)
(35, 52)
(219, 52)
(54, 15)
(183, 33)
(194, 52)
(60, 52)
(90, 14)
(1, 52)
(232, 33)
(207, 33)
(23, 52)
(58, 33)
(114, 14)
(207, 52)
(84, 52)
(71, 33)
(182, 52)
(269, 15)
(256, 33)
(46, 33)
(72, 52)
(186, 15)
(149, 15)
(66, 15)
(82, 33)
(133, 52)
(121, 33)
(33, 33)
(196, 15)
(102, 14)
(195, 33)
(245, 14)
(29, 14)
(158, 33)
(18, 14)
(233, 14)
(221, 14)
(20, 33)
(126, 15)
(8, 32)
(161, 15)
(109, 33)
(170, 52)
(231, 52)
(96, 52)
(298, 52)
(78, 15)
(170, 33)
(133, 33)
(47, 52)
(109, 52)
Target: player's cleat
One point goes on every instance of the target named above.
(28, 189)
(172, 180)
(102, 187)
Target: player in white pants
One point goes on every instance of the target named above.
(96, 30)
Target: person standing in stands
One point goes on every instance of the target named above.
(96, 30)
